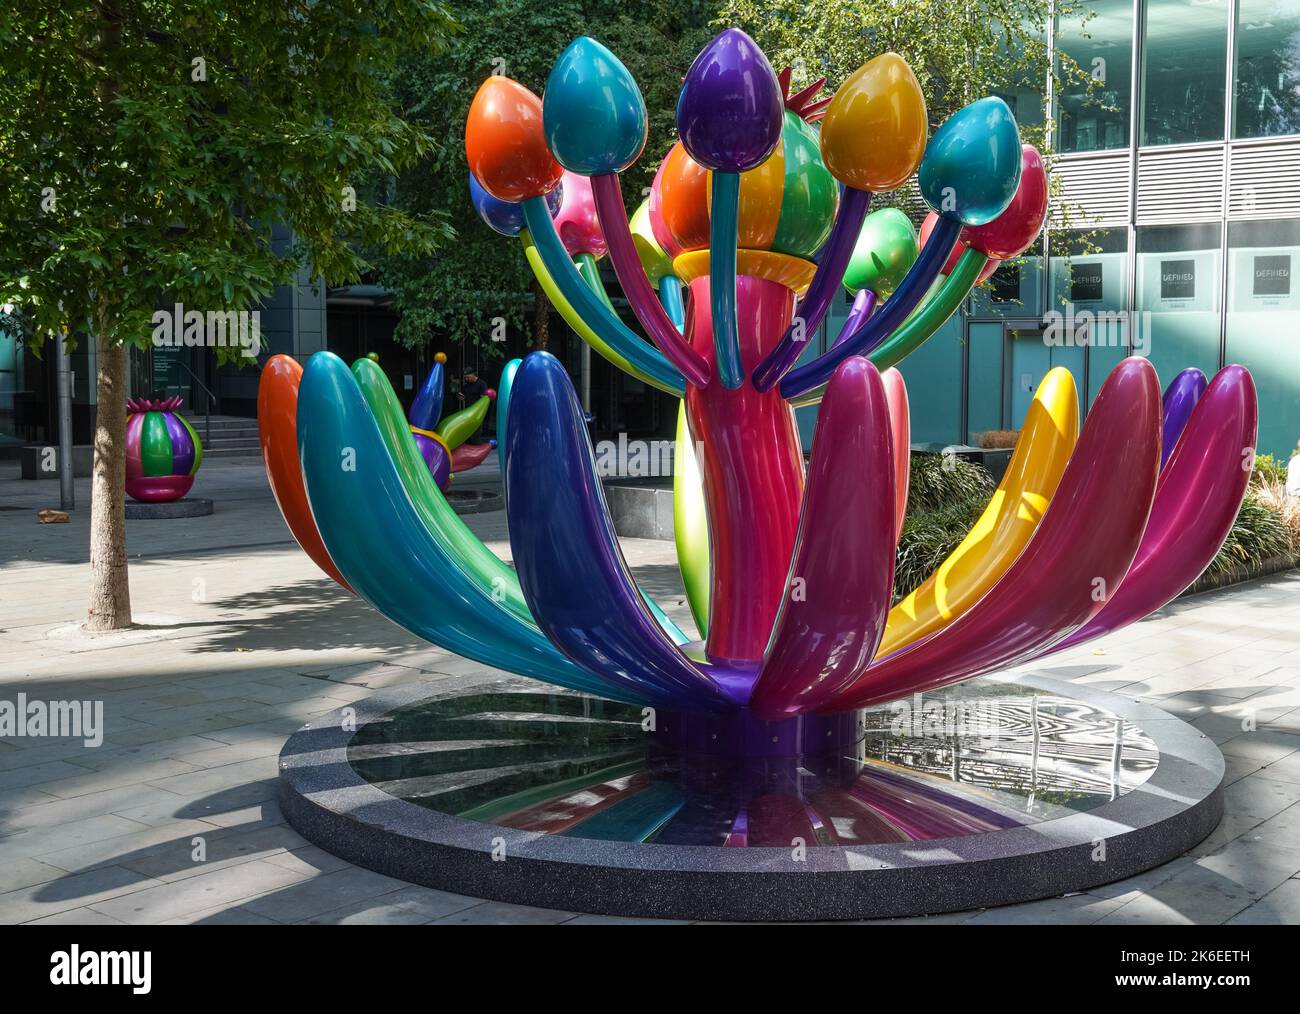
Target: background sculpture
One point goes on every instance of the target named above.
(163, 452)
(442, 444)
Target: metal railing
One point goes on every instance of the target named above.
(210, 399)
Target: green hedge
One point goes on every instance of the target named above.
(945, 499)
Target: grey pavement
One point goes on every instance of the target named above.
(241, 641)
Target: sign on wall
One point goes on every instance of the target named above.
(1261, 279)
(1178, 281)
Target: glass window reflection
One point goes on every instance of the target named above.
(1263, 323)
(1184, 62)
(1268, 69)
(1096, 91)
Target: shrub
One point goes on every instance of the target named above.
(928, 539)
(1268, 470)
(995, 439)
(1273, 495)
(1259, 534)
(938, 483)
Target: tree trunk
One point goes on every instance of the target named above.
(541, 317)
(110, 591)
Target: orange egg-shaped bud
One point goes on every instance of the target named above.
(506, 144)
(684, 199)
(873, 134)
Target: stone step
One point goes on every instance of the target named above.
(232, 452)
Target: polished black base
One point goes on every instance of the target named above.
(185, 507)
(430, 789)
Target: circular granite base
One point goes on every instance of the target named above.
(990, 792)
(185, 507)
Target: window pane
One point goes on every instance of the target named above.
(1094, 116)
(1263, 324)
(1089, 286)
(1268, 69)
(1024, 71)
(1185, 60)
(1178, 298)
(1012, 291)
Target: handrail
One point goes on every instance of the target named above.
(208, 402)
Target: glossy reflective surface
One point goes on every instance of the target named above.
(982, 757)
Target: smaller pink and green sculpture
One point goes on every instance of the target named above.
(162, 450)
(442, 444)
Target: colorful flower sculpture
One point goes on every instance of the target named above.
(789, 570)
(442, 444)
(162, 450)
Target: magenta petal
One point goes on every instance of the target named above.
(900, 423)
(837, 594)
(1079, 554)
(1200, 491)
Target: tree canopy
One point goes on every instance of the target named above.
(148, 148)
(455, 294)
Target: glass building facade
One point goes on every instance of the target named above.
(1180, 154)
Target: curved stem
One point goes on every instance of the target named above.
(590, 271)
(891, 315)
(926, 321)
(724, 216)
(670, 298)
(864, 304)
(817, 300)
(575, 321)
(640, 295)
(601, 319)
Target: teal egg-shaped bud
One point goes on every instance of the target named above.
(972, 164)
(592, 111)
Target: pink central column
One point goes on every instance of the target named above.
(752, 465)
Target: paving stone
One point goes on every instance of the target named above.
(405, 907)
(325, 893)
(490, 913)
(19, 873)
(76, 917)
(228, 886)
(1260, 796)
(1280, 907)
(1071, 910)
(73, 890)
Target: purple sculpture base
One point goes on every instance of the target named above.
(741, 734)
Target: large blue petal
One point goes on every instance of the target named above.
(571, 569)
(379, 543)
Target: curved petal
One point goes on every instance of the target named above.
(1201, 489)
(900, 426)
(503, 407)
(842, 575)
(1083, 548)
(1181, 396)
(458, 427)
(473, 559)
(277, 426)
(1047, 438)
(468, 456)
(566, 553)
(380, 543)
(691, 523)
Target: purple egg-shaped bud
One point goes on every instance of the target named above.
(729, 112)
